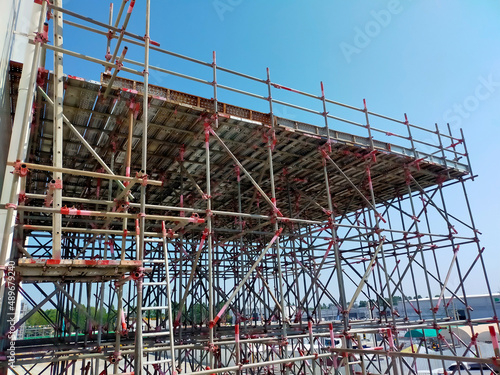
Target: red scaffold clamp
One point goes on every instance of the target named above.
(380, 217)
(142, 176)
(407, 176)
(272, 139)
(135, 107)
(115, 357)
(43, 37)
(325, 150)
(53, 185)
(108, 55)
(121, 206)
(211, 348)
(208, 129)
(20, 169)
(453, 145)
(276, 210)
(440, 179)
(151, 41)
(283, 342)
(22, 198)
(372, 155)
(138, 273)
(119, 64)
(196, 219)
(56, 184)
(416, 163)
(41, 77)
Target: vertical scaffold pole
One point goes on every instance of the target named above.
(145, 114)
(58, 131)
(209, 215)
(370, 137)
(338, 265)
(169, 299)
(270, 146)
(378, 219)
(480, 252)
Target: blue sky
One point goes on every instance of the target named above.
(436, 60)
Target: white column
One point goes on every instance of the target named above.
(58, 130)
(19, 139)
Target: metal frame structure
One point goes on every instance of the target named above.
(159, 225)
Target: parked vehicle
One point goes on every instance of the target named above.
(469, 368)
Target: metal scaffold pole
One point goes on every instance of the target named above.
(271, 143)
(141, 244)
(58, 132)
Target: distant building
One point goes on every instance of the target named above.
(23, 310)
(480, 306)
(332, 313)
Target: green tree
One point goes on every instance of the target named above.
(37, 319)
(363, 303)
(396, 299)
(198, 313)
(78, 316)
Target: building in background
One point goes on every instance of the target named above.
(480, 307)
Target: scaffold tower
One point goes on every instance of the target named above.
(161, 232)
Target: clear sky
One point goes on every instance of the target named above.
(436, 60)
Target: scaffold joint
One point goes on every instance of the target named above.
(142, 176)
(43, 37)
(121, 206)
(138, 273)
(115, 357)
(21, 198)
(20, 169)
(196, 219)
(56, 184)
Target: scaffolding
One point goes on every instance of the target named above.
(173, 233)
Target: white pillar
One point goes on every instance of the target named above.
(19, 140)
